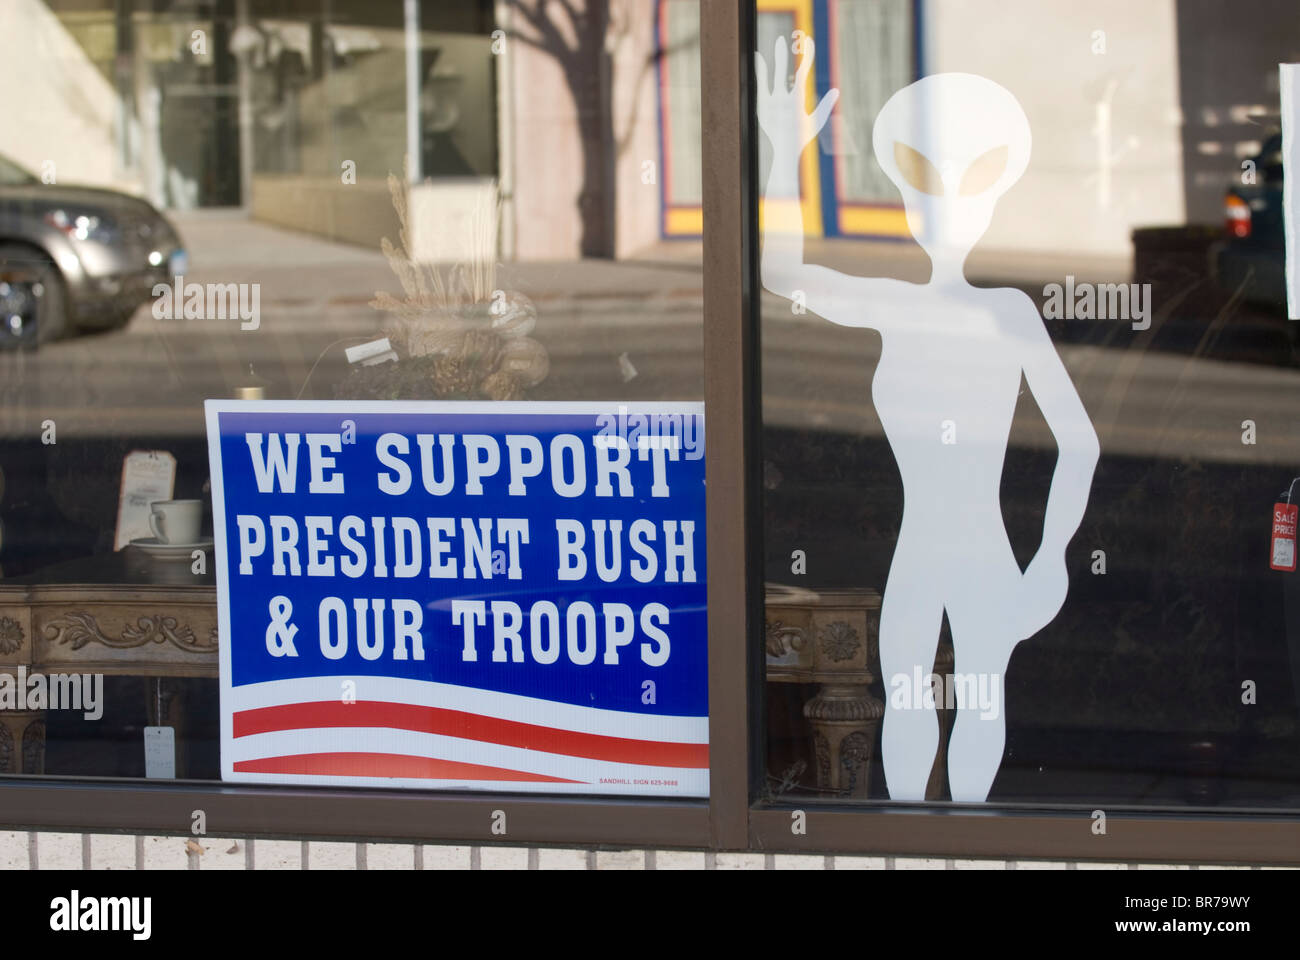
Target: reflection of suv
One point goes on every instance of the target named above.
(75, 257)
(1254, 254)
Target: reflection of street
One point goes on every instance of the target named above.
(1151, 403)
(1180, 391)
(150, 379)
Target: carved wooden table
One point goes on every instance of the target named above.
(120, 615)
(832, 638)
(125, 615)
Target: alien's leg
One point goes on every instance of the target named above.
(911, 615)
(982, 650)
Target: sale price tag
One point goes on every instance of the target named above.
(1282, 550)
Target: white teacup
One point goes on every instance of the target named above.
(176, 521)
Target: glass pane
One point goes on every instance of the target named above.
(1029, 386)
(216, 200)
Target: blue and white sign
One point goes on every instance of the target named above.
(489, 596)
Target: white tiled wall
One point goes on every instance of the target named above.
(49, 851)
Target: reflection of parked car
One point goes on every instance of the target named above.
(1253, 257)
(75, 257)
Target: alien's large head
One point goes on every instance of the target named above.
(953, 143)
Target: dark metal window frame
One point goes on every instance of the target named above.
(732, 818)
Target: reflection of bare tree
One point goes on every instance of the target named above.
(584, 41)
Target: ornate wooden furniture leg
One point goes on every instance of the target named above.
(845, 720)
(33, 751)
(22, 741)
(22, 732)
(830, 638)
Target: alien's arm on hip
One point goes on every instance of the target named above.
(1076, 440)
(841, 298)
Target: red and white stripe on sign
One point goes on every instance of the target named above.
(458, 736)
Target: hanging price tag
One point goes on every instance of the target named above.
(160, 753)
(1282, 549)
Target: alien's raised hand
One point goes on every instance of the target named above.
(781, 111)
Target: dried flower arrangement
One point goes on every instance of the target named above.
(457, 337)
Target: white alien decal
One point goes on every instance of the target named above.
(945, 389)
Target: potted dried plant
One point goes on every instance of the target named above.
(457, 336)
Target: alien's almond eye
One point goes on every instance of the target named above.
(983, 172)
(917, 170)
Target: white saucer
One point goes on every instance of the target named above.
(151, 547)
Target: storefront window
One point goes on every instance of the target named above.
(1028, 383)
(478, 187)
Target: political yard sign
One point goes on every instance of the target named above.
(479, 596)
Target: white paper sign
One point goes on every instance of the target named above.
(1289, 81)
(147, 476)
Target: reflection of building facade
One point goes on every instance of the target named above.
(1114, 110)
(589, 136)
(297, 110)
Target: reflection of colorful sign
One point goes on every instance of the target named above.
(869, 48)
(485, 596)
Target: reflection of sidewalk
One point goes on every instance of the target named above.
(228, 247)
(1027, 270)
(221, 240)
(234, 248)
